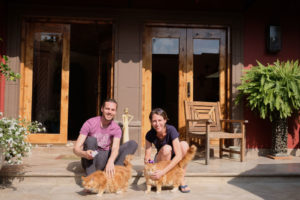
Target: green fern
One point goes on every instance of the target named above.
(272, 90)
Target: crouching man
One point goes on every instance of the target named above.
(98, 143)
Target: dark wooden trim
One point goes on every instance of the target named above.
(229, 74)
(113, 62)
(68, 20)
(146, 82)
(185, 25)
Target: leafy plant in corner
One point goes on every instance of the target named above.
(273, 91)
(6, 70)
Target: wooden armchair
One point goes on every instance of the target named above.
(203, 121)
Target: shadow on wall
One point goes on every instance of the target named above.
(271, 181)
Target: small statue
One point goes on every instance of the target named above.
(126, 120)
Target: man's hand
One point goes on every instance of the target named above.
(88, 155)
(157, 175)
(110, 169)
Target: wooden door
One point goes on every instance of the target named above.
(202, 70)
(207, 69)
(164, 57)
(208, 75)
(45, 79)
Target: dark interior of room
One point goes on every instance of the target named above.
(90, 61)
(165, 85)
(206, 77)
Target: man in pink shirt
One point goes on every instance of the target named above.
(98, 143)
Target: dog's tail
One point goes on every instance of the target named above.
(127, 160)
(188, 156)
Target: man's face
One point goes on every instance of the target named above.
(109, 110)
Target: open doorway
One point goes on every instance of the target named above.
(90, 73)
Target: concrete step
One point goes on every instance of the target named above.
(59, 161)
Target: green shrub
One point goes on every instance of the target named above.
(13, 137)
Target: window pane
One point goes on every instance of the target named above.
(47, 66)
(165, 46)
(206, 46)
(206, 69)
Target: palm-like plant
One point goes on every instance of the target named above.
(273, 91)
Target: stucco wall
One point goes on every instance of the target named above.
(127, 82)
(11, 101)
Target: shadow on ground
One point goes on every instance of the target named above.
(280, 181)
(6, 177)
(77, 169)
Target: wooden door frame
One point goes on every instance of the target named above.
(192, 33)
(147, 72)
(26, 66)
(26, 84)
(225, 91)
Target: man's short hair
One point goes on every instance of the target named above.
(109, 100)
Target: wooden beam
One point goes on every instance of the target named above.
(65, 74)
(146, 82)
(28, 73)
(25, 28)
(69, 20)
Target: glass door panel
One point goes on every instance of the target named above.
(206, 55)
(165, 63)
(46, 89)
(45, 82)
(207, 66)
(164, 59)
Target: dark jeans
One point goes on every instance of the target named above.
(100, 160)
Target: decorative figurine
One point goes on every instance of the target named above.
(126, 120)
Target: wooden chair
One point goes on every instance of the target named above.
(203, 122)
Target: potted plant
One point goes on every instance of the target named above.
(273, 91)
(13, 138)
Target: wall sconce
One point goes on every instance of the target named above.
(274, 38)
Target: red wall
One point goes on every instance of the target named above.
(257, 17)
(2, 51)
